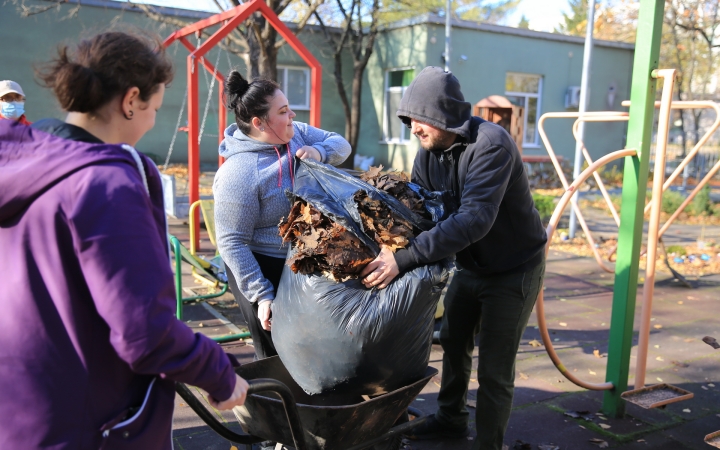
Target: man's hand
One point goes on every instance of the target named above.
(381, 271)
(309, 152)
(264, 313)
(236, 399)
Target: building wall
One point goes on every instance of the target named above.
(489, 57)
(403, 48)
(32, 40)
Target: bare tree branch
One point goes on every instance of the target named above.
(301, 24)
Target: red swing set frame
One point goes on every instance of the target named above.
(230, 20)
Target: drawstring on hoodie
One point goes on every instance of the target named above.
(292, 176)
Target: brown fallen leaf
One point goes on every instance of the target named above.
(562, 324)
(711, 341)
(591, 372)
(599, 442)
(604, 426)
(657, 327)
(597, 353)
(535, 343)
(523, 376)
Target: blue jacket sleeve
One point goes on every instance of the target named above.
(333, 148)
(126, 267)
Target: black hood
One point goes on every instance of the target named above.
(434, 97)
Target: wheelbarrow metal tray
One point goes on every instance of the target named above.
(330, 422)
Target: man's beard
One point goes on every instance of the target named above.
(439, 143)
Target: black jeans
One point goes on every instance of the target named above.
(497, 308)
(262, 340)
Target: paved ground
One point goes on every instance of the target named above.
(578, 303)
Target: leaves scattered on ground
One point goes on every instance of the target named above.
(711, 341)
(689, 260)
(535, 343)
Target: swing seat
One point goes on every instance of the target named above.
(657, 396)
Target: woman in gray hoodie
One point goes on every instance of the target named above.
(249, 190)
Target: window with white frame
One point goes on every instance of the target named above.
(526, 90)
(396, 82)
(295, 83)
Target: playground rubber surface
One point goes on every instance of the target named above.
(578, 296)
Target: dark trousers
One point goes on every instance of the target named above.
(497, 308)
(262, 340)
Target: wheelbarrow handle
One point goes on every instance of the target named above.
(291, 412)
(254, 386)
(209, 418)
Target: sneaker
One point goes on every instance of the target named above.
(433, 429)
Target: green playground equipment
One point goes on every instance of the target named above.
(637, 158)
(212, 272)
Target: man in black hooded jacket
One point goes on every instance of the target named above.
(498, 240)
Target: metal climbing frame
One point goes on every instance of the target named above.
(647, 52)
(552, 226)
(601, 116)
(669, 77)
(228, 21)
(637, 157)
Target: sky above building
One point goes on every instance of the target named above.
(543, 15)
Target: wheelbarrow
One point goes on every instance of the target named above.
(278, 410)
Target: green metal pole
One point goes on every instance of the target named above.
(642, 97)
(178, 277)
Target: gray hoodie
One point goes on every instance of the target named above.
(249, 191)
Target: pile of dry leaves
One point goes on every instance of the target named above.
(396, 184)
(319, 244)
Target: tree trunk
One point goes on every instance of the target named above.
(268, 58)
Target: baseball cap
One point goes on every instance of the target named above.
(7, 87)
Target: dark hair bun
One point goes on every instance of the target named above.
(248, 99)
(83, 91)
(235, 86)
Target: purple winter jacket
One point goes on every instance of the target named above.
(88, 339)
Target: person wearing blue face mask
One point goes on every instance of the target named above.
(12, 102)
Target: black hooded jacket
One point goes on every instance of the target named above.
(496, 228)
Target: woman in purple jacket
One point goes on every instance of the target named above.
(90, 349)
